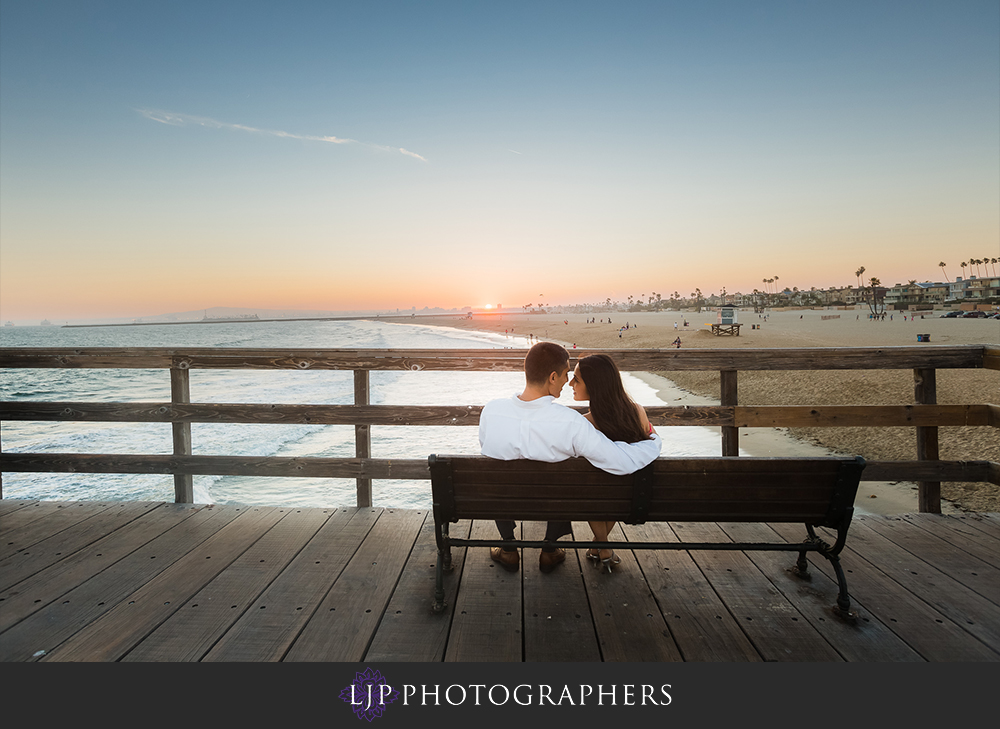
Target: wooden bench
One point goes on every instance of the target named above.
(812, 491)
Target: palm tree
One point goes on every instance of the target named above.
(942, 265)
(874, 301)
(858, 273)
(962, 265)
(994, 261)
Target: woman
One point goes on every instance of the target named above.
(596, 378)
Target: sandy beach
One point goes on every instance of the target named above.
(803, 328)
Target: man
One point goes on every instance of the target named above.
(532, 425)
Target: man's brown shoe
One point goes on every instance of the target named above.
(548, 561)
(508, 560)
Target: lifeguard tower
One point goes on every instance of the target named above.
(727, 324)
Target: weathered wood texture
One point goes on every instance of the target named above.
(389, 468)
(925, 416)
(805, 490)
(505, 360)
(180, 393)
(765, 416)
(925, 390)
(167, 582)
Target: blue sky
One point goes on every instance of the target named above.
(380, 155)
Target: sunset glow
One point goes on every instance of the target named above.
(171, 158)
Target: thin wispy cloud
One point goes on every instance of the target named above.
(181, 120)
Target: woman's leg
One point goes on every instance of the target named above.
(600, 530)
(607, 527)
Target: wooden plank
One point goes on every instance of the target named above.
(268, 628)
(9, 506)
(985, 523)
(925, 629)
(777, 629)
(121, 628)
(925, 390)
(377, 468)
(629, 624)
(409, 630)
(628, 360)
(194, 628)
(342, 626)
(362, 438)
(487, 625)
(61, 545)
(991, 357)
(837, 416)
(48, 627)
(960, 534)
(25, 528)
(866, 640)
(728, 396)
(42, 588)
(557, 622)
(765, 416)
(253, 413)
(950, 561)
(216, 465)
(928, 470)
(180, 393)
(698, 620)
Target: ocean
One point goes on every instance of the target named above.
(274, 386)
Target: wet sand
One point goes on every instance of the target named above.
(802, 328)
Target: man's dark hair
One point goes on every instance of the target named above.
(542, 360)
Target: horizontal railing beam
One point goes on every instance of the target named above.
(383, 468)
(771, 416)
(991, 357)
(268, 466)
(834, 416)
(500, 360)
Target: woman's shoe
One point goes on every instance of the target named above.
(594, 555)
(609, 563)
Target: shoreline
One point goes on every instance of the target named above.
(800, 328)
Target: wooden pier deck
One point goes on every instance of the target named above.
(145, 581)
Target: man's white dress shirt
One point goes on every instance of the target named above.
(544, 430)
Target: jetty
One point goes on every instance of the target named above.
(172, 580)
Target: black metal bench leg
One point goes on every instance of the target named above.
(439, 605)
(843, 606)
(801, 568)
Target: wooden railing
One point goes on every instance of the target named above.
(924, 415)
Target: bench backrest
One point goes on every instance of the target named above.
(815, 491)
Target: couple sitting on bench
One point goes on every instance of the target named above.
(615, 436)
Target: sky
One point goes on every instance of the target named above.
(342, 156)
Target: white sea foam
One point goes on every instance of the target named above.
(243, 386)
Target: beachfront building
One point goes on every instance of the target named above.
(913, 294)
(958, 287)
(983, 288)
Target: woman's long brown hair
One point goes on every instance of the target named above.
(615, 413)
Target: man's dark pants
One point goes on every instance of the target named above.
(553, 531)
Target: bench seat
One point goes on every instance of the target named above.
(816, 492)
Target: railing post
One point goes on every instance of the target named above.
(362, 436)
(729, 398)
(925, 389)
(180, 393)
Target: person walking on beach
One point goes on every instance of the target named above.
(532, 425)
(596, 379)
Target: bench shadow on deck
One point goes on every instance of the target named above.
(145, 581)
